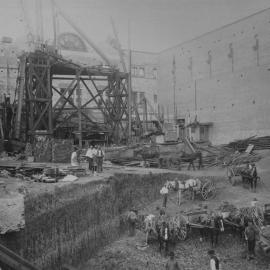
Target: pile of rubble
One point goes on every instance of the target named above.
(39, 172)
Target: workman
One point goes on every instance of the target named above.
(250, 236)
(254, 177)
(132, 218)
(254, 203)
(74, 158)
(94, 167)
(172, 264)
(99, 156)
(214, 261)
(164, 192)
(89, 156)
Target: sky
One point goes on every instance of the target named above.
(155, 25)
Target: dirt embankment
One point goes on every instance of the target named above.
(71, 223)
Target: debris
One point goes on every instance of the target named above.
(4, 173)
(266, 232)
(69, 178)
(260, 143)
(74, 170)
(225, 156)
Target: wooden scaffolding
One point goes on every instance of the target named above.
(44, 108)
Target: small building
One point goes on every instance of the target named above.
(199, 131)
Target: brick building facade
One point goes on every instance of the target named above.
(222, 78)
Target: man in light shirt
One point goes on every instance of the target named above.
(214, 261)
(74, 158)
(94, 165)
(89, 155)
(164, 192)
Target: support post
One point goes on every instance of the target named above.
(79, 103)
(54, 17)
(129, 87)
(49, 87)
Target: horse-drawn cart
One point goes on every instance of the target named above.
(204, 188)
(179, 226)
(237, 173)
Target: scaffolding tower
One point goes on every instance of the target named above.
(42, 108)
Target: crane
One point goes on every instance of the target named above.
(118, 44)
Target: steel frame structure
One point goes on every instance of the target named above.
(43, 68)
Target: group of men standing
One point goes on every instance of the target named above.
(95, 158)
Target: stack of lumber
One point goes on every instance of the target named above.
(225, 156)
(74, 170)
(260, 143)
(126, 161)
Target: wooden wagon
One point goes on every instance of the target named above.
(205, 188)
(236, 173)
(180, 226)
(177, 226)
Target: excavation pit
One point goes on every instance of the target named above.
(71, 223)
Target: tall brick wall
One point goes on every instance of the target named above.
(222, 77)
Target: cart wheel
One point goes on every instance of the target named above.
(182, 233)
(208, 190)
(182, 229)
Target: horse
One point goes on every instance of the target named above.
(213, 226)
(160, 227)
(192, 185)
(163, 232)
(190, 158)
(240, 223)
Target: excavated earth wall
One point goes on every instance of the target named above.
(69, 225)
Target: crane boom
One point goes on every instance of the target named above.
(119, 49)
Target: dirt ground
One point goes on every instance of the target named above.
(191, 254)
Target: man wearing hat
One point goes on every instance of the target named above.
(254, 176)
(132, 218)
(254, 202)
(214, 261)
(164, 193)
(250, 236)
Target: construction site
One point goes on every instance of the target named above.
(117, 158)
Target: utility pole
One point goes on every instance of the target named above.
(54, 17)
(79, 103)
(39, 21)
(174, 86)
(129, 85)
